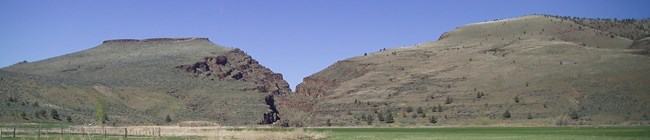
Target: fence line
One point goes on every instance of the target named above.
(105, 131)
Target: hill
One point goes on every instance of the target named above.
(539, 68)
(143, 81)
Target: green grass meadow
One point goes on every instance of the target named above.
(482, 133)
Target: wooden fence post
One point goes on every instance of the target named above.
(14, 132)
(125, 132)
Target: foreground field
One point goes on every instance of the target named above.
(528, 133)
(465, 133)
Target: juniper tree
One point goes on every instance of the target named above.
(369, 119)
(449, 100)
(54, 114)
(409, 109)
(433, 119)
(389, 118)
(328, 122)
(168, 119)
(574, 115)
(23, 115)
(516, 99)
(506, 114)
(380, 117)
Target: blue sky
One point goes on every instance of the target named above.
(294, 37)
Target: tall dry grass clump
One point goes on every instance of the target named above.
(298, 133)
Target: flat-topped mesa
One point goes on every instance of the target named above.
(154, 40)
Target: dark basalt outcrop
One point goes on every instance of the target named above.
(237, 65)
(272, 115)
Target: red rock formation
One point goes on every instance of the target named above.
(315, 86)
(237, 65)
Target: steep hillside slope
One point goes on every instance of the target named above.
(143, 81)
(538, 68)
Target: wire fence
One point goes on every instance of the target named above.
(105, 131)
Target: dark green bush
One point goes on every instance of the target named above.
(433, 119)
(574, 115)
(168, 119)
(409, 109)
(389, 118)
(506, 114)
(54, 114)
(449, 100)
(516, 99)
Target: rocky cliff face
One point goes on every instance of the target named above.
(316, 86)
(237, 65)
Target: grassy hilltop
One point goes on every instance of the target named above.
(538, 68)
(141, 81)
